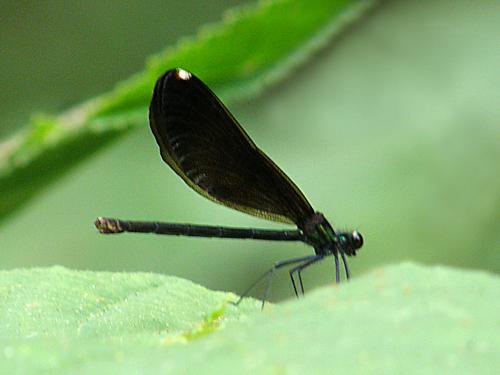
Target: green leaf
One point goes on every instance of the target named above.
(403, 319)
(251, 48)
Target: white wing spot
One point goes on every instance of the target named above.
(183, 74)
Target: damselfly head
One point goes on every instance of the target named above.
(349, 242)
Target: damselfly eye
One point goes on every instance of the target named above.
(357, 240)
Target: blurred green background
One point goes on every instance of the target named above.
(392, 129)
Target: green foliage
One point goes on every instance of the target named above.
(250, 48)
(401, 127)
(392, 130)
(404, 319)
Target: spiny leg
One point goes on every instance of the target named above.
(301, 283)
(276, 266)
(294, 286)
(299, 272)
(305, 260)
(301, 267)
(249, 289)
(346, 267)
(268, 286)
(337, 269)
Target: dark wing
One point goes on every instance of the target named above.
(206, 146)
